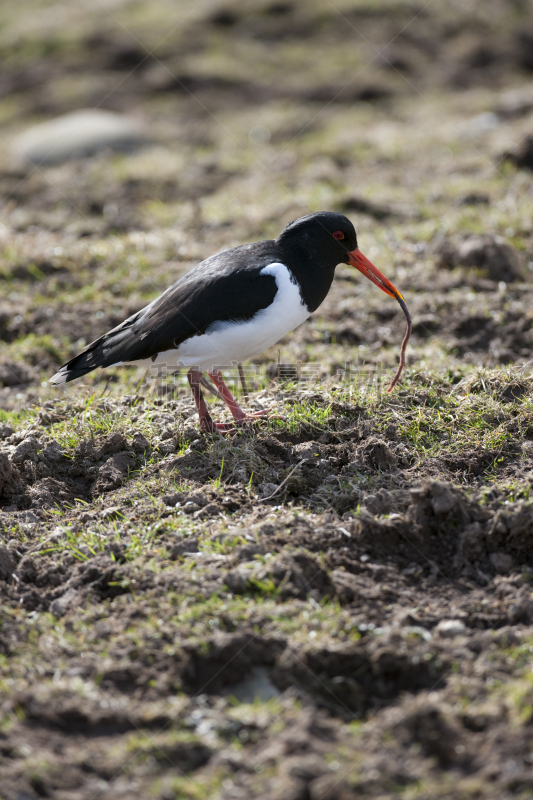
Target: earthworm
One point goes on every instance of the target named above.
(404, 345)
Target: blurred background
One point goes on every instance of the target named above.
(138, 137)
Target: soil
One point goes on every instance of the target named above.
(335, 604)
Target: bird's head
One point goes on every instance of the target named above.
(330, 239)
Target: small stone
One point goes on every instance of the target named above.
(78, 134)
(448, 628)
(502, 562)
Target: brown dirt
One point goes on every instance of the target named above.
(180, 616)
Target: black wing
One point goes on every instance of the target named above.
(226, 287)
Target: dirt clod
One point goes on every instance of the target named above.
(14, 373)
(7, 565)
(166, 630)
(10, 480)
(491, 255)
(522, 156)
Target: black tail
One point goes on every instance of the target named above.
(115, 347)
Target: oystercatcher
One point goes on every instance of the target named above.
(232, 307)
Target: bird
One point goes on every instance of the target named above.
(231, 307)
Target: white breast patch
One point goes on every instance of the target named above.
(225, 342)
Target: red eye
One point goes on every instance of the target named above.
(338, 235)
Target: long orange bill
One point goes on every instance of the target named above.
(366, 267)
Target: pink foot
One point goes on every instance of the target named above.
(209, 426)
(266, 413)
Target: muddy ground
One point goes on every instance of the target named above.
(332, 605)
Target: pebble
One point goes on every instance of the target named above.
(448, 628)
(78, 134)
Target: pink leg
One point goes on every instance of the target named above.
(206, 423)
(237, 413)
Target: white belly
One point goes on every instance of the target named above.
(226, 342)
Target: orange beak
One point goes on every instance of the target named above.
(361, 262)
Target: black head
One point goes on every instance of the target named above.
(326, 237)
(315, 244)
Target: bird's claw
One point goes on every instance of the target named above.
(266, 412)
(209, 426)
